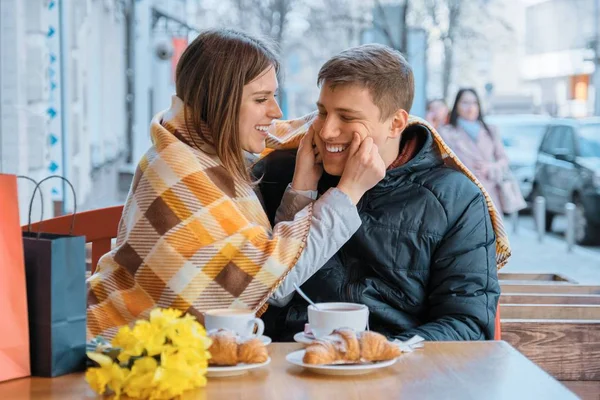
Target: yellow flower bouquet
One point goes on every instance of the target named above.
(157, 359)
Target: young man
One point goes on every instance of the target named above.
(423, 260)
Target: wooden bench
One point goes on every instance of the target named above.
(569, 350)
(527, 276)
(512, 287)
(544, 298)
(556, 324)
(551, 311)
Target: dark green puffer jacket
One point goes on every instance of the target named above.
(423, 260)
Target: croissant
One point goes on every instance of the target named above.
(321, 351)
(252, 351)
(345, 346)
(352, 352)
(226, 349)
(375, 347)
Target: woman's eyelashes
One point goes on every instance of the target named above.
(265, 99)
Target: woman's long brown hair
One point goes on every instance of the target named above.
(454, 112)
(210, 79)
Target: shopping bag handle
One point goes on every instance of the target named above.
(33, 196)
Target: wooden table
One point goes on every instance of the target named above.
(440, 370)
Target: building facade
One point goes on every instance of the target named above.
(79, 83)
(559, 45)
(62, 95)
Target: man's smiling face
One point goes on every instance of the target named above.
(343, 110)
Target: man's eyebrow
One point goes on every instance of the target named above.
(339, 109)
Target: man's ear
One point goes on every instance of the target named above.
(399, 122)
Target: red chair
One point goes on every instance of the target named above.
(98, 226)
(498, 333)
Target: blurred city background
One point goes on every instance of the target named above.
(81, 79)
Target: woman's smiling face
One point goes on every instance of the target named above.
(343, 110)
(258, 110)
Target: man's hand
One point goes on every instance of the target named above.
(309, 165)
(364, 168)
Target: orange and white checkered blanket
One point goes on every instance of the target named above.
(191, 236)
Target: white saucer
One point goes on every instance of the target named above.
(240, 369)
(265, 339)
(301, 337)
(341, 369)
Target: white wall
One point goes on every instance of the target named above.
(94, 106)
(556, 54)
(95, 82)
(23, 97)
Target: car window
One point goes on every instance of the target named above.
(589, 140)
(521, 136)
(551, 140)
(566, 140)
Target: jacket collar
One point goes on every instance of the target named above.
(428, 156)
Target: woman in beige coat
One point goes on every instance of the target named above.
(479, 147)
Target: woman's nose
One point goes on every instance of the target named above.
(275, 111)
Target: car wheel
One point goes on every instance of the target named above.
(585, 232)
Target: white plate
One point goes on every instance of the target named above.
(301, 337)
(354, 369)
(240, 369)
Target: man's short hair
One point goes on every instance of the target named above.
(382, 70)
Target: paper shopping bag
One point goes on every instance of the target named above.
(14, 331)
(56, 292)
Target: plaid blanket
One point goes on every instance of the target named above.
(193, 237)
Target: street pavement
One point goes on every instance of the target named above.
(582, 264)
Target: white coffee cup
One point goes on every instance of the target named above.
(331, 316)
(242, 322)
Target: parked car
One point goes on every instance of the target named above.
(521, 136)
(568, 170)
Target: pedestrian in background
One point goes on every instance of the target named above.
(480, 148)
(437, 113)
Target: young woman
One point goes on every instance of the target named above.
(479, 148)
(193, 234)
